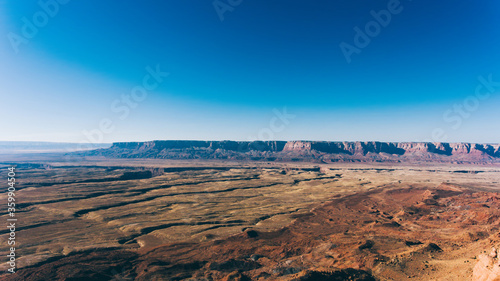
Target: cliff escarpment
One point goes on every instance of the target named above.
(313, 151)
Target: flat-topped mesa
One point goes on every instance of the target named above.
(243, 146)
(159, 145)
(298, 146)
(425, 147)
(240, 146)
(322, 151)
(364, 148)
(351, 148)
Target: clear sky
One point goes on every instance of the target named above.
(75, 71)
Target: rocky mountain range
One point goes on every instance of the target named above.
(310, 151)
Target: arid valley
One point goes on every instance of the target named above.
(105, 218)
(238, 140)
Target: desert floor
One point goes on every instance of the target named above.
(210, 220)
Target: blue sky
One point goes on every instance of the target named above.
(415, 80)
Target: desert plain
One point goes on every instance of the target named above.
(160, 219)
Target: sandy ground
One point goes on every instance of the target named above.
(73, 207)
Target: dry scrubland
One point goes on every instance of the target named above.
(135, 220)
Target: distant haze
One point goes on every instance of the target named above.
(21, 147)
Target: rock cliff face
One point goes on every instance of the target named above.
(487, 267)
(315, 151)
(186, 144)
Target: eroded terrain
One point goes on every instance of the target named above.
(164, 220)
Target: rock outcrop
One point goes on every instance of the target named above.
(311, 151)
(487, 267)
